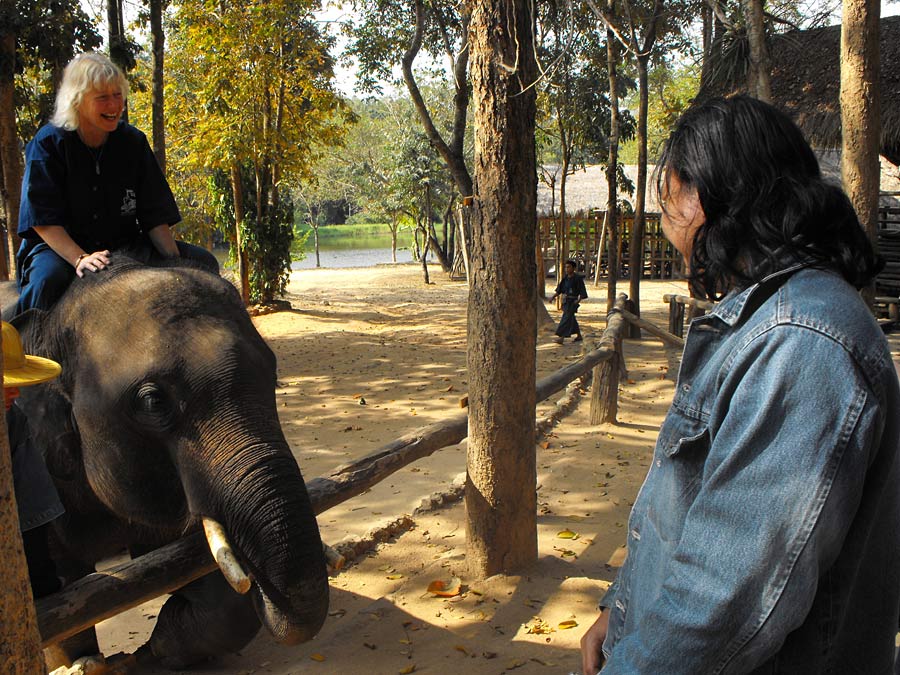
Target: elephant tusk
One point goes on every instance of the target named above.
(333, 560)
(224, 556)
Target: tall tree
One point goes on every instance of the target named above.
(157, 50)
(254, 99)
(393, 33)
(759, 79)
(612, 206)
(861, 111)
(638, 36)
(573, 99)
(500, 488)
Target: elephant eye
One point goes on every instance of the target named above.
(151, 400)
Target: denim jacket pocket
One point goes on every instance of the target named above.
(678, 467)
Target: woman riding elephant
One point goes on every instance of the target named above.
(91, 185)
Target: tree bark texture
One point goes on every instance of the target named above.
(612, 210)
(10, 156)
(501, 473)
(760, 66)
(861, 110)
(20, 643)
(158, 40)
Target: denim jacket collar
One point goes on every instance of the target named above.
(731, 309)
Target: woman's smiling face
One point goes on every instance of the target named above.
(99, 113)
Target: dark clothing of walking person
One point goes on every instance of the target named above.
(573, 291)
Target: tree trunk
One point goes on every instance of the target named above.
(394, 225)
(243, 263)
(158, 39)
(20, 642)
(636, 245)
(563, 229)
(10, 157)
(452, 154)
(612, 210)
(115, 27)
(861, 112)
(501, 472)
(760, 67)
(316, 240)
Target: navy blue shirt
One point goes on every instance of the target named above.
(104, 197)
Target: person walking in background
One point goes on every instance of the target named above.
(572, 288)
(91, 185)
(765, 536)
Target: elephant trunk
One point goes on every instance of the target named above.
(262, 506)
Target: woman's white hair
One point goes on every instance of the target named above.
(85, 72)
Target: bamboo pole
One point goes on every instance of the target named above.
(600, 249)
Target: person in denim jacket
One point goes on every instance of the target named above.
(766, 536)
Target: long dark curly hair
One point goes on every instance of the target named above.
(765, 201)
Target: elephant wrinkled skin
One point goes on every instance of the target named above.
(165, 413)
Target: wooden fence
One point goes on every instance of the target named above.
(583, 240)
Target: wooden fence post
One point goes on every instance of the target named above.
(605, 389)
(20, 645)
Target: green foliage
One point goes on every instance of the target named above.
(383, 166)
(48, 34)
(251, 85)
(672, 88)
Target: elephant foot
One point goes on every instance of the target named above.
(201, 621)
(118, 664)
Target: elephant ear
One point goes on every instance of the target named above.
(57, 433)
(42, 335)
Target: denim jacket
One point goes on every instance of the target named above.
(766, 536)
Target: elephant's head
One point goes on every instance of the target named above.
(172, 391)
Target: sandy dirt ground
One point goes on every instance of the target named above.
(367, 355)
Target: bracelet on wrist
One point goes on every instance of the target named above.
(80, 258)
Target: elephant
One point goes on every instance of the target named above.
(164, 416)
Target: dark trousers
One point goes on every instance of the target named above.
(44, 276)
(568, 324)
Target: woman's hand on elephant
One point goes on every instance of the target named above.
(94, 262)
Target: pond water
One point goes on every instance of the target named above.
(348, 251)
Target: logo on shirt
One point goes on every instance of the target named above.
(129, 204)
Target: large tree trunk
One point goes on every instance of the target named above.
(20, 643)
(861, 111)
(237, 189)
(10, 157)
(501, 473)
(158, 39)
(612, 210)
(760, 67)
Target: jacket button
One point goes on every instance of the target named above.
(685, 387)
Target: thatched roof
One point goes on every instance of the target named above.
(806, 82)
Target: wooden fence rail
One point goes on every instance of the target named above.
(104, 594)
